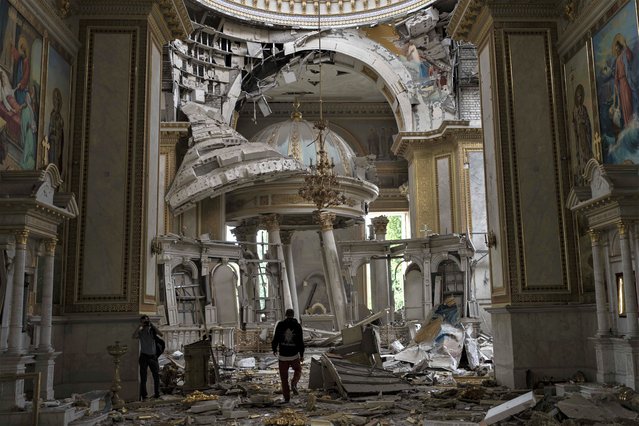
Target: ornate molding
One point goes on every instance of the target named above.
(49, 246)
(271, 222)
(450, 130)
(380, 223)
(310, 110)
(303, 13)
(174, 12)
(325, 220)
(469, 15)
(622, 228)
(22, 236)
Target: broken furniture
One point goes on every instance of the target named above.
(196, 372)
(331, 372)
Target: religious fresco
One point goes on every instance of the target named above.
(616, 62)
(56, 108)
(579, 108)
(20, 83)
(420, 43)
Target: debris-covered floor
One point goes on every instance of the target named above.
(438, 374)
(251, 396)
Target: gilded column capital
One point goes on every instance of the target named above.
(49, 246)
(21, 237)
(271, 222)
(286, 237)
(622, 228)
(380, 224)
(325, 219)
(594, 236)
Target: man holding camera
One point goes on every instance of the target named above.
(146, 333)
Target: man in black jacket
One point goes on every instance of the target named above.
(288, 338)
(148, 359)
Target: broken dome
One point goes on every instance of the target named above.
(220, 160)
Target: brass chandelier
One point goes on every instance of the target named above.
(321, 186)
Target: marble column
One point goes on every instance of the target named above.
(8, 254)
(600, 290)
(13, 360)
(629, 289)
(290, 269)
(15, 323)
(245, 235)
(47, 297)
(331, 260)
(613, 297)
(45, 355)
(428, 286)
(272, 225)
(382, 297)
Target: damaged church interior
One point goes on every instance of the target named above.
(445, 192)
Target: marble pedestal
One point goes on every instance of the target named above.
(537, 341)
(45, 365)
(12, 391)
(617, 360)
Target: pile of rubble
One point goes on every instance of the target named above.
(251, 396)
(439, 374)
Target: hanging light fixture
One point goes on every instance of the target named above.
(321, 186)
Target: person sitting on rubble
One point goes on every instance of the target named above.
(289, 343)
(146, 333)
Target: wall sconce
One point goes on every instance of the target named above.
(490, 239)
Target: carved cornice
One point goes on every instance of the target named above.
(175, 126)
(174, 12)
(470, 15)
(303, 13)
(44, 12)
(463, 18)
(579, 29)
(177, 18)
(449, 131)
(311, 109)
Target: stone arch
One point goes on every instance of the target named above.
(437, 259)
(615, 245)
(316, 292)
(189, 265)
(371, 60)
(223, 282)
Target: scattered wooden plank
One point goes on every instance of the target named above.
(357, 379)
